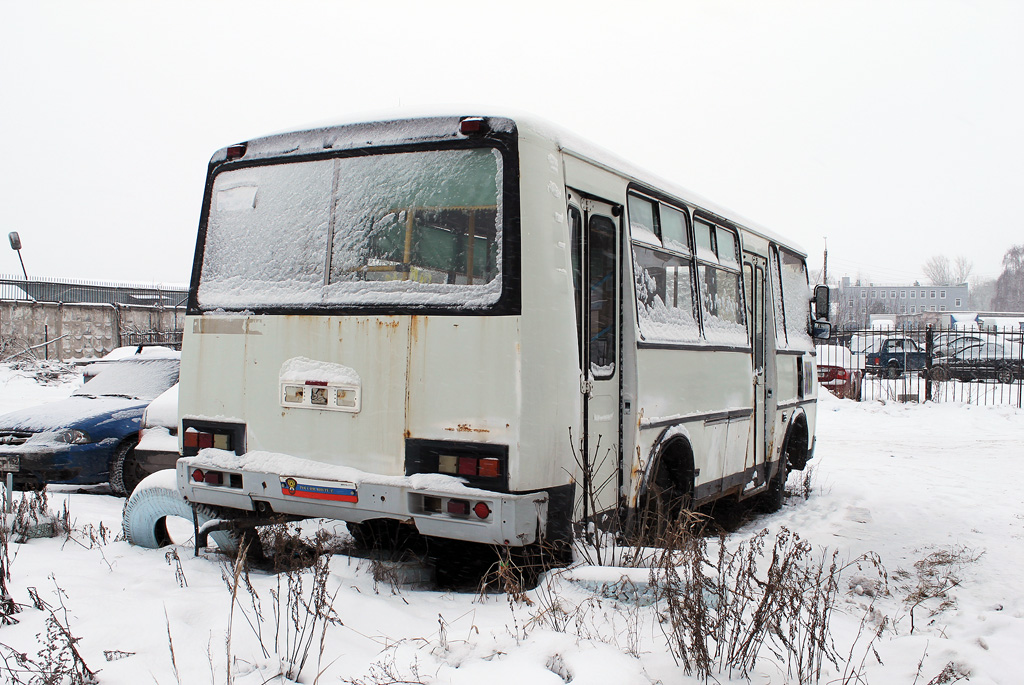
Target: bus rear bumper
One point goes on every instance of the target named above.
(458, 513)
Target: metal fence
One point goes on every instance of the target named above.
(94, 292)
(926, 364)
(170, 339)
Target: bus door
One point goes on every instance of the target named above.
(598, 288)
(754, 275)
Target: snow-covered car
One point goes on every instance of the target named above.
(158, 440)
(91, 367)
(980, 361)
(86, 438)
(840, 371)
(946, 344)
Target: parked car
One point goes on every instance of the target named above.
(157, 448)
(946, 344)
(894, 356)
(979, 361)
(86, 438)
(91, 367)
(840, 371)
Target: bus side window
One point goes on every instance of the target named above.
(575, 228)
(601, 271)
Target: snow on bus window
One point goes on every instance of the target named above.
(705, 248)
(780, 319)
(673, 229)
(267, 228)
(643, 220)
(721, 304)
(664, 296)
(413, 228)
(796, 296)
(727, 252)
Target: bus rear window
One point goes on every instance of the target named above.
(403, 229)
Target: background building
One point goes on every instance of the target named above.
(906, 304)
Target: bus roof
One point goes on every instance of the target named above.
(439, 128)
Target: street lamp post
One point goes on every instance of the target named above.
(16, 246)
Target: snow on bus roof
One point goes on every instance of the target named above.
(380, 129)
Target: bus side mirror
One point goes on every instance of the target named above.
(821, 302)
(821, 329)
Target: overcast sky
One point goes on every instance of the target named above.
(896, 129)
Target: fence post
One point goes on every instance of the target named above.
(929, 346)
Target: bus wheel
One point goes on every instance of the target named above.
(669, 494)
(775, 495)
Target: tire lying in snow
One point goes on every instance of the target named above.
(153, 500)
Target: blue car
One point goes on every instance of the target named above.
(89, 437)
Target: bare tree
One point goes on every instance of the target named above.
(938, 270)
(1010, 285)
(962, 268)
(981, 292)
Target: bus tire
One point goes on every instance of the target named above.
(773, 498)
(670, 492)
(145, 514)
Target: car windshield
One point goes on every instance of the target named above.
(142, 380)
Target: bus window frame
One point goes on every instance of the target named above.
(509, 301)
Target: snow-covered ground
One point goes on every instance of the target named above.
(932, 489)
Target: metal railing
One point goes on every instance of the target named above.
(929, 364)
(92, 292)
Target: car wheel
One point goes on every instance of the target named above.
(124, 456)
(1004, 374)
(939, 373)
(124, 473)
(153, 500)
(893, 371)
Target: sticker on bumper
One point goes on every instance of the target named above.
(333, 491)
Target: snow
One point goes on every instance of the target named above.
(356, 227)
(301, 369)
(913, 483)
(163, 411)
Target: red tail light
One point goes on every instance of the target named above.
(471, 125)
(459, 507)
(482, 510)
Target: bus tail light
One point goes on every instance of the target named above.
(472, 466)
(459, 507)
(199, 440)
(482, 510)
(232, 480)
(236, 151)
(200, 435)
(473, 125)
(480, 465)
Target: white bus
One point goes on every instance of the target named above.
(476, 326)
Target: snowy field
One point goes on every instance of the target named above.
(931, 489)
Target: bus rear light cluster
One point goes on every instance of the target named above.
(198, 440)
(232, 480)
(485, 467)
(455, 507)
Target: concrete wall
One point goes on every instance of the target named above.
(78, 330)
